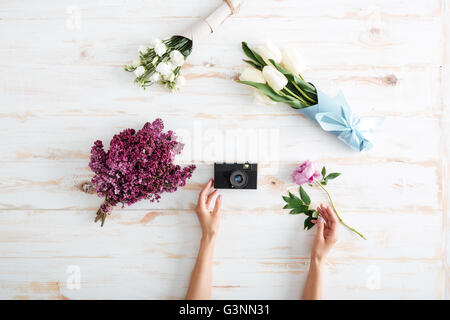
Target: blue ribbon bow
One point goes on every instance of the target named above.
(334, 115)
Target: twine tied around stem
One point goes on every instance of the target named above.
(232, 7)
(103, 211)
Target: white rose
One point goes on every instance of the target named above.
(292, 61)
(164, 69)
(155, 77)
(274, 78)
(261, 98)
(171, 65)
(142, 49)
(154, 43)
(177, 58)
(180, 81)
(139, 71)
(269, 51)
(252, 74)
(160, 49)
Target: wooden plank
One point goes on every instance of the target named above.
(403, 187)
(141, 10)
(244, 234)
(370, 90)
(445, 141)
(375, 38)
(210, 138)
(256, 278)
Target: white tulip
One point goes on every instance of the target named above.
(160, 49)
(292, 61)
(274, 78)
(252, 74)
(177, 58)
(269, 51)
(155, 77)
(261, 98)
(171, 78)
(139, 71)
(164, 69)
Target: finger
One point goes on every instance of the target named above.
(321, 211)
(205, 191)
(334, 224)
(331, 214)
(217, 205)
(330, 218)
(320, 226)
(324, 213)
(209, 198)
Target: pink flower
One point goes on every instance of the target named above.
(305, 173)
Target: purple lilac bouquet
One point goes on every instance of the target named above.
(139, 165)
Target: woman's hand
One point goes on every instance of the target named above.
(209, 218)
(326, 235)
(201, 278)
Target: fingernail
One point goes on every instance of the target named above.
(321, 220)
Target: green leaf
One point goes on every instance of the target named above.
(315, 214)
(309, 91)
(305, 197)
(324, 171)
(303, 209)
(272, 94)
(332, 176)
(295, 198)
(298, 210)
(292, 202)
(253, 64)
(308, 224)
(253, 55)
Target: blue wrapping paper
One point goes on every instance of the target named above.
(335, 116)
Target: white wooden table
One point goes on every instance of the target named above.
(62, 86)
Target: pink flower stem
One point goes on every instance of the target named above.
(334, 208)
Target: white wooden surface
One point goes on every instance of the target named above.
(62, 86)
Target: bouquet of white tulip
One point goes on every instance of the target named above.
(276, 76)
(161, 60)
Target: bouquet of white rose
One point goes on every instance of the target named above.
(161, 60)
(276, 75)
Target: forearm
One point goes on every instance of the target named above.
(201, 278)
(313, 285)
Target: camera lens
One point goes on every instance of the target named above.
(238, 179)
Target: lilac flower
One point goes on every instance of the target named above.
(139, 165)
